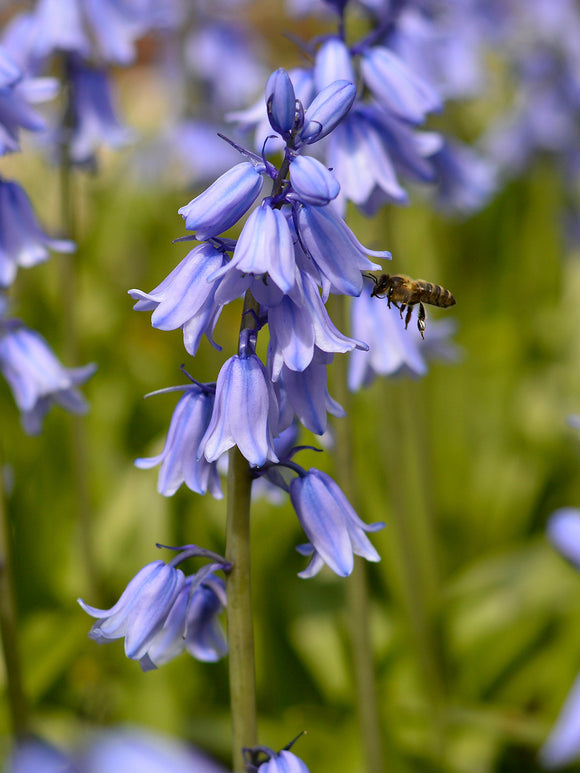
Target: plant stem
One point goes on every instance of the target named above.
(78, 443)
(239, 611)
(356, 584)
(238, 590)
(18, 707)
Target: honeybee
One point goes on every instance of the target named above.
(401, 289)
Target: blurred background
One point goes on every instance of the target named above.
(476, 455)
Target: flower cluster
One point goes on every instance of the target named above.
(294, 249)
(89, 37)
(163, 612)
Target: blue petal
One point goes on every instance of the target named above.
(333, 63)
(564, 533)
(224, 202)
(320, 514)
(312, 181)
(563, 744)
(396, 87)
(327, 110)
(281, 101)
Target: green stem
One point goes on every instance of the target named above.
(18, 706)
(238, 589)
(356, 584)
(78, 443)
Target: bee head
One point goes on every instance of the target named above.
(382, 286)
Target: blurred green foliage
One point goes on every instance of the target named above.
(480, 448)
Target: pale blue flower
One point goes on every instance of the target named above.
(337, 254)
(328, 108)
(37, 756)
(333, 62)
(191, 625)
(396, 87)
(298, 324)
(179, 459)
(221, 205)
(281, 102)
(265, 247)
(142, 610)
(94, 116)
(312, 182)
(304, 394)
(36, 377)
(22, 241)
(135, 750)
(185, 298)
(334, 529)
(245, 413)
(564, 533)
(283, 762)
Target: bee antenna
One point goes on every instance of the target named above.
(370, 276)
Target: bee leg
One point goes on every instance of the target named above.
(421, 320)
(408, 316)
(402, 308)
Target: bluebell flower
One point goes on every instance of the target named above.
(334, 249)
(142, 610)
(298, 324)
(37, 756)
(191, 625)
(36, 377)
(179, 459)
(221, 205)
(334, 529)
(135, 750)
(185, 298)
(563, 744)
(22, 241)
(227, 82)
(312, 182)
(16, 94)
(283, 762)
(304, 394)
(396, 87)
(281, 102)
(360, 155)
(564, 533)
(265, 247)
(94, 116)
(333, 62)
(245, 413)
(59, 26)
(262, 759)
(256, 116)
(328, 108)
(102, 29)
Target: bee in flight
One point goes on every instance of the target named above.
(401, 289)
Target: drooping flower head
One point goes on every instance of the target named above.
(36, 377)
(162, 612)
